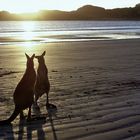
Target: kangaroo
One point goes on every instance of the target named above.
(24, 92)
(42, 84)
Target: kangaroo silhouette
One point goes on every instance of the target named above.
(24, 92)
(42, 84)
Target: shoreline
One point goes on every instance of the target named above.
(67, 42)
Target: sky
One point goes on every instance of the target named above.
(20, 6)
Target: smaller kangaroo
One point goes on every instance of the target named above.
(24, 92)
(42, 84)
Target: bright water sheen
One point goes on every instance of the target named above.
(19, 32)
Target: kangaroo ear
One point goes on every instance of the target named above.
(43, 54)
(27, 56)
(33, 56)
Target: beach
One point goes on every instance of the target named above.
(94, 84)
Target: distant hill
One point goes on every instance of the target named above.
(87, 12)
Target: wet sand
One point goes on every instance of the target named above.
(95, 86)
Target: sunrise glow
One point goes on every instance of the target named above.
(17, 6)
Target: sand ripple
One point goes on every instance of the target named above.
(96, 91)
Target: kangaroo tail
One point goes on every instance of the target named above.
(12, 117)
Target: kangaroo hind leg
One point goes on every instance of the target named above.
(47, 101)
(22, 115)
(36, 106)
(29, 114)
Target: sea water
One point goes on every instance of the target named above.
(38, 32)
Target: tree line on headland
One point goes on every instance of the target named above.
(87, 12)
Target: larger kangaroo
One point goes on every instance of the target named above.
(42, 84)
(24, 95)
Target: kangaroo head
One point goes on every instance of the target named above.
(30, 62)
(40, 58)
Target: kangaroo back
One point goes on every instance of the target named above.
(23, 95)
(42, 84)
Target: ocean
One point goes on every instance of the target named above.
(38, 32)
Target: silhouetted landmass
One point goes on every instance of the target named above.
(87, 12)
